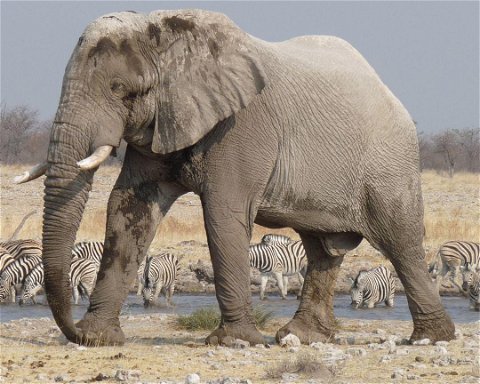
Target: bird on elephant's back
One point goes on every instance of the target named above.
(299, 134)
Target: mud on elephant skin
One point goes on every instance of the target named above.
(300, 134)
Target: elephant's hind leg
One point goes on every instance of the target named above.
(314, 319)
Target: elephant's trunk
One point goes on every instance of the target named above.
(66, 193)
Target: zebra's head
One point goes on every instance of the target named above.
(147, 294)
(468, 272)
(4, 289)
(30, 288)
(356, 291)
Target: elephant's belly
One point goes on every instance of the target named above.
(303, 220)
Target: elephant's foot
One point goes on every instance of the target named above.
(436, 327)
(228, 332)
(95, 333)
(307, 331)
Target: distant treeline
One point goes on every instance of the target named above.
(24, 139)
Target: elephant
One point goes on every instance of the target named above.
(300, 133)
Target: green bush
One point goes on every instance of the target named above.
(209, 318)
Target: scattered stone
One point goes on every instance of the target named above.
(439, 350)
(290, 341)
(412, 377)
(398, 374)
(422, 342)
(458, 334)
(193, 378)
(319, 346)
(240, 344)
(61, 378)
(442, 343)
(101, 377)
(356, 351)
(81, 348)
(385, 359)
(419, 359)
(402, 351)
(380, 332)
(127, 375)
(293, 349)
(42, 377)
(210, 353)
(288, 377)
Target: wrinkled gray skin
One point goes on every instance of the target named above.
(299, 134)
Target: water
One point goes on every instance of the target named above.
(457, 307)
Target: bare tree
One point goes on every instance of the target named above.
(23, 136)
(448, 146)
(469, 140)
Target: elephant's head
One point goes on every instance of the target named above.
(161, 82)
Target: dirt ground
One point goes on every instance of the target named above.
(157, 350)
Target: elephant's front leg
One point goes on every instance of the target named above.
(314, 320)
(135, 208)
(228, 231)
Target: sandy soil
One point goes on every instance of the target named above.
(157, 350)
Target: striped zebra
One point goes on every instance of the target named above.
(160, 273)
(15, 273)
(271, 239)
(140, 272)
(450, 257)
(22, 248)
(83, 275)
(471, 284)
(372, 287)
(88, 250)
(5, 259)
(280, 260)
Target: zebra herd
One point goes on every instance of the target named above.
(276, 255)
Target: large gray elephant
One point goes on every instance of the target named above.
(299, 134)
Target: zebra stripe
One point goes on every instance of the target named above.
(279, 259)
(471, 283)
(372, 287)
(160, 272)
(92, 250)
(83, 275)
(272, 238)
(32, 284)
(5, 259)
(450, 257)
(22, 248)
(15, 273)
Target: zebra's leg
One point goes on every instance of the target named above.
(76, 294)
(453, 278)
(140, 287)
(136, 206)
(314, 320)
(285, 286)
(13, 293)
(300, 279)
(389, 301)
(263, 285)
(156, 294)
(169, 294)
(370, 304)
(279, 278)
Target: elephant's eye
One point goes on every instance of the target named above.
(118, 88)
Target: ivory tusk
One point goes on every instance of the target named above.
(37, 171)
(96, 158)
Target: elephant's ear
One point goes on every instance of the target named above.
(207, 73)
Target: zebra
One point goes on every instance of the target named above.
(450, 257)
(272, 238)
(471, 284)
(83, 275)
(140, 272)
(22, 248)
(88, 250)
(5, 259)
(280, 260)
(372, 287)
(15, 273)
(160, 272)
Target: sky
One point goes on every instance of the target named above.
(426, 52)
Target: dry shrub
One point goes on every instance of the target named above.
(308, 365)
